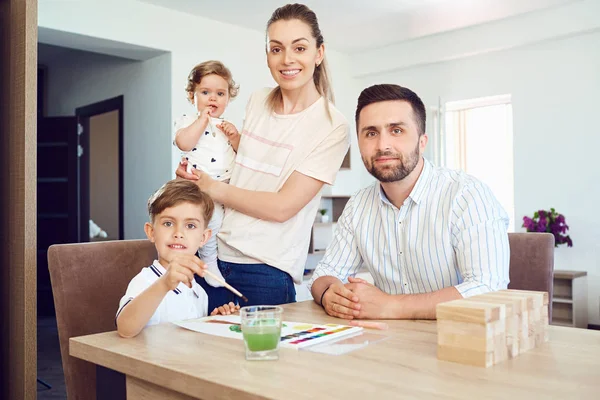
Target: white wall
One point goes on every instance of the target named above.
(78, 78)
(184, 37)
(347, 90)
(554, 87)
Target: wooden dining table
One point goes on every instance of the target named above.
(167, 361)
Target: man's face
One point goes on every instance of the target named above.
(389, 141)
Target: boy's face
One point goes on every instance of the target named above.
(212, 92)
(180, 229)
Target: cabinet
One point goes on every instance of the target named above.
(569, 300)
(56, 197)
(321, 235)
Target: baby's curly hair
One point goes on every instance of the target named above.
(207, 68)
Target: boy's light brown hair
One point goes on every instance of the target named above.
(176, 192)
(208, 68)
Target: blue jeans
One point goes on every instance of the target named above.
(260, 283)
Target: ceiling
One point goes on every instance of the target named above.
(356, 25)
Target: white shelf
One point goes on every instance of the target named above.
(569, 300)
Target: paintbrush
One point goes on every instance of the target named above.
(227, 285)
(369, 324)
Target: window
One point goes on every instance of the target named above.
(478, 139)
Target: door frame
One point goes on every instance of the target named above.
(18, 149)
(83, 115)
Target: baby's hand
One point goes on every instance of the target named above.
(226, 309)
(204, 115)
(182, 269)
(228, 129)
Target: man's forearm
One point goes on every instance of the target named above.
(421, 306)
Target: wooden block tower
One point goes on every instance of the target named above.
(487, 329)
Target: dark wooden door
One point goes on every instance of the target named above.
(57, 196)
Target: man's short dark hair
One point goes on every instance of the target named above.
(388, 92)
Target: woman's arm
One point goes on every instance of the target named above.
(187, 138)
(280, 206)
(297, 192)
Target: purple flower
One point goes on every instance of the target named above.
(542, 225)
(549, 221)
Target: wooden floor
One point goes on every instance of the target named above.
(49, 365)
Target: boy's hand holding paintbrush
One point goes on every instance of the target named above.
(182, 269)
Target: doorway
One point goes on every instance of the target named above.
(100, 130)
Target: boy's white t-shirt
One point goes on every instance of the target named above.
(178, 305)
(213, 153)
(271, 148)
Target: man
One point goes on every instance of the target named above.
(426, 234)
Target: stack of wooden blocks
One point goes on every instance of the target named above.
(490, 328)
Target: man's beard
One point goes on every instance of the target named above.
(397, 172)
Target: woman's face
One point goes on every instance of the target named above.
(292, 54)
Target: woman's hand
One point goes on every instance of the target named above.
(201, 179)
(181, 171)
(204, 181)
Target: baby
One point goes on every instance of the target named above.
(209, 143)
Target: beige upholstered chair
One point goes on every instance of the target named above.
(532, 263)
(88, 280)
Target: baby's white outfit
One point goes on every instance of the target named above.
(213, 155)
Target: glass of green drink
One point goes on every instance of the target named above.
(261, 327)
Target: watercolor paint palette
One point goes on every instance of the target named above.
(296, 335)
(316, 334)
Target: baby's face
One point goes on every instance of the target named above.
(212, 92)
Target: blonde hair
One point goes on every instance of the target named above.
(179, 191)
(321, 74)
(211, 67)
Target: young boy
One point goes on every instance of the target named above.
(166, 290)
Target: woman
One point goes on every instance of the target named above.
(293, 142)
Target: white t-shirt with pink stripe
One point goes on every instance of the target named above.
(271, 148)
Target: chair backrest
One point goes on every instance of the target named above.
(532, 263)
(88, 280)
